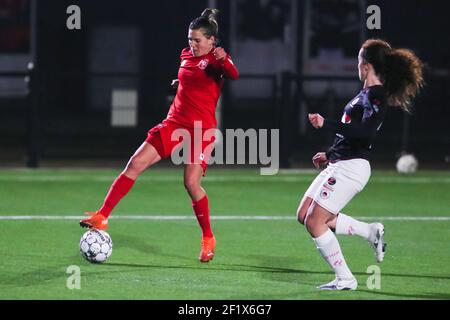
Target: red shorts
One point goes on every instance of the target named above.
(166, 142)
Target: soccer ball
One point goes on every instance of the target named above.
(96, 246)
(407, 164)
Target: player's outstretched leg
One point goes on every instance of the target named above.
(373, 232)
(99, 219)
(376, 240)
(95, 221)
(145, 156)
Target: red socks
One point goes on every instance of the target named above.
(201, 209)
(123, 184)
(118, 190)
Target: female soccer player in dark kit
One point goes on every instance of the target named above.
(201, 74)
(391, 77)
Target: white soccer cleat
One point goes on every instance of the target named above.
(340, 284)
(376, 240)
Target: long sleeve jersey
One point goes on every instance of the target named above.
(362, 119)
(200, 83)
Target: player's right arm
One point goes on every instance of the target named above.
(320, 159)
(366, 120)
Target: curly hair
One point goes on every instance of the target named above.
(400, 70)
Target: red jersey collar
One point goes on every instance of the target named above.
(187, 53)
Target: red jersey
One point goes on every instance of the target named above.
(200, 83)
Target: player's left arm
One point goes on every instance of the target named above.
(363, 126)
(229, 69)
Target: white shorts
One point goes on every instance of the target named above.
(338, 183)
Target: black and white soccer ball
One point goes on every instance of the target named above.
(96, 246)
(407, 163)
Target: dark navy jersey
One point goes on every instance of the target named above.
(362, 119)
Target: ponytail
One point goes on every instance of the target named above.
(207, 22)
(403, 77)
(209, 13)
(400, 70)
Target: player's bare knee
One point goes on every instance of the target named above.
(136, 165)
(314, 218)
(191, 185)
(303, 208)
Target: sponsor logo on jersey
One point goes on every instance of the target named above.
(203, 64)
(331, 181)
(183, 63)
(346, 118)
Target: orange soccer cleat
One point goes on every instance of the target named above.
(96, 221)
(207, 252)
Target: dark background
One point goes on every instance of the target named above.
(65, 127)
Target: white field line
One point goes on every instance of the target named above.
(277, 178)
(237, 217)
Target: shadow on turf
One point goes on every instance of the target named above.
(288, 270)
(35, 277)
(135, 243)
(280, 270)
(252, 268)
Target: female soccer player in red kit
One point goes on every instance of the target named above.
(391, 77)
(200, 78)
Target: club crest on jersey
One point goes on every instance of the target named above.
(203, 64)
(346, 118)
(324, 194)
